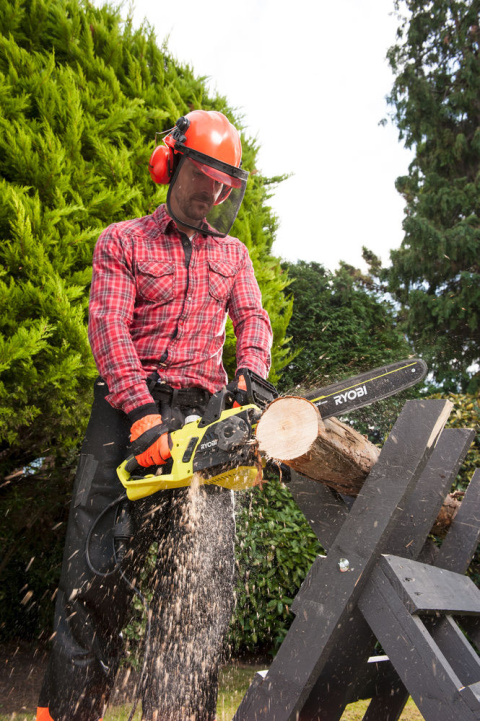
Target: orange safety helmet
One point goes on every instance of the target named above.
(213, 144)
(206, 132)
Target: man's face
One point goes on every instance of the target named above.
(193, 194)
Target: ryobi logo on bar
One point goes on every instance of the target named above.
(350, 395)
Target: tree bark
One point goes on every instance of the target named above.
(447, 513)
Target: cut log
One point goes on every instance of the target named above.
(292, 431)
(447, 513)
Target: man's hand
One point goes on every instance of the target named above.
(150, 441)
(238, 388)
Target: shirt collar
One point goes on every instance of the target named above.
(163, 220)
(167, 224)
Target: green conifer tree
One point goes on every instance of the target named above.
(435, 275)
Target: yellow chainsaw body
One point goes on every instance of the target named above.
(186, 441)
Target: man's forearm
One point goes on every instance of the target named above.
(254, 342)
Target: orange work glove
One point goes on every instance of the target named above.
(238, 388)
(150, 441)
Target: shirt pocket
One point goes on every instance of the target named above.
(221, 277)
(156, 281)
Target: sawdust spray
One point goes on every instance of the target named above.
(191, 606)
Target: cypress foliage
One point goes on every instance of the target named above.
(82, 94)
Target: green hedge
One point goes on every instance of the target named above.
(275, 549)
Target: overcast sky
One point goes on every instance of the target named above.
(310, 79)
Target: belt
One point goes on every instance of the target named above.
(180, 396)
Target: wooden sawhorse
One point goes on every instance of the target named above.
(384, 580)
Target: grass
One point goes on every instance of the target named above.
(234, 681)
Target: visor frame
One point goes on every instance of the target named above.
(224, 168)
(217, 175)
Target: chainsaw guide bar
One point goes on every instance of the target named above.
(367, 388)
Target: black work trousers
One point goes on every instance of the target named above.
(192, 585)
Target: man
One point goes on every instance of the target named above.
(161, 289)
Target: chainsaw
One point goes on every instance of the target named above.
(221, 447)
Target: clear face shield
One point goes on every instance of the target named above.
(205, 194)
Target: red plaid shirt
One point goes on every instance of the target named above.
(149, 312)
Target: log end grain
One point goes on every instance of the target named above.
(289, 428)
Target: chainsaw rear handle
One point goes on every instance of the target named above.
(132, 465)
(131, 469)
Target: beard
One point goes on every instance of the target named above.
(198, 206)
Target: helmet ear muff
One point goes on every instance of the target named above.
(161, 165)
